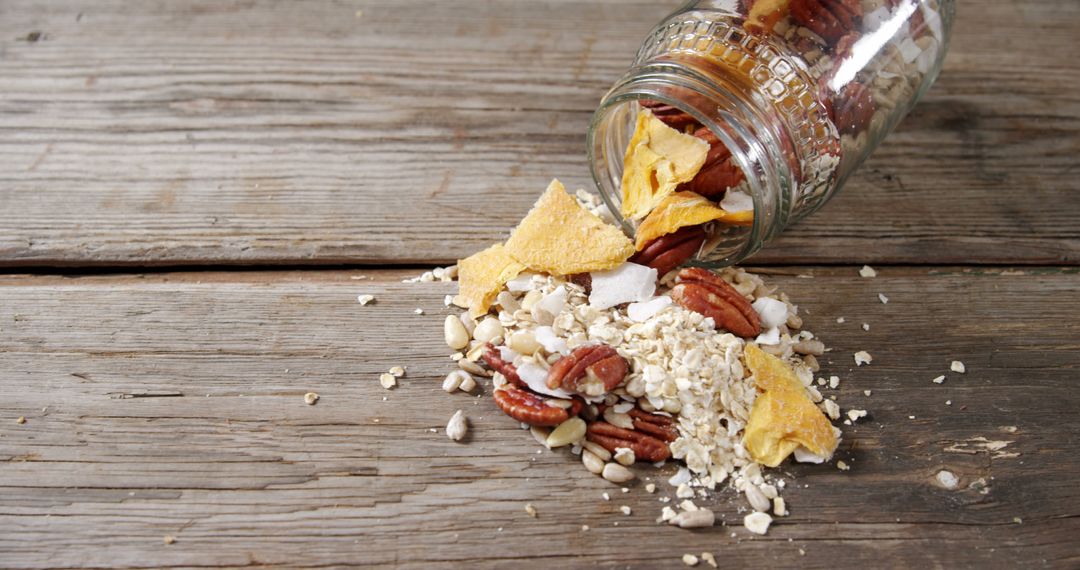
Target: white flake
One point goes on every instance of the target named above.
(626, 283)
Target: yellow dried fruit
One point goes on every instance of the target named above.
(683, 209)
(764, 14)
(482, 275)
(783, 417)
(658, 159)
(560, 237)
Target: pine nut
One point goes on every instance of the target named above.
(624, 456)
(488, 330)
(700, 518)
(456, 336)
(597, 450)
(570, 431)
(757, 499)
(593, 463)
(457, 426)
(617, 473)
(453, 380)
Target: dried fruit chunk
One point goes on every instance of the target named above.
(783, 418)
(764, 14)
(592, 370)
(560, 237)
(830, 19)
(719, 171)
(482, 275)
(683, 209)
(644, 446)
(672, 250)
(658, 159)
(703, 292)
(531, 409)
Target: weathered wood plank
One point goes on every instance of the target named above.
(171, 404)
(283, 132)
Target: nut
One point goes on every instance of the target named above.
(455, 334)
(523, 342)
(618, 419)
(719, 171)
(494, 359)
(310, 398)
(488, 330)
(813, 346)
(645, 447)
(454, 380)
(624, 456)
(531, 409)
(617, 473)
(457, 426)
(660, 427)
(700, 518)
(757, 499)
(593, 463)
(830, 19)
(593, 369)
(672, 250)
(852, 109)
(706, 293)
(597, 450)
(570, 431)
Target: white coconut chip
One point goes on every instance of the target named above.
(626, 283)
(550, 341)
(803, 455)
(769, 337)
(535, 377)
(773, 312)
(735, 201)
(645, 310)
(520, 284)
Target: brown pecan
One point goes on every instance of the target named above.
(671, 116)
(593, 369)
(706, 293)
(529, 408)
(672, 250)
(582, 279)
(645, 447)
(719, 171)
(493, 358)
(661, 427)
(830, 19)
(853, 108)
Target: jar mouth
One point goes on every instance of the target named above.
(730, 112)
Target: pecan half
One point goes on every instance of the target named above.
(661, 427)
(671, 116)
(853, 108)
(672, 250)
(530, 408)
(830, 19)
(719, 171)
(494, 359)
(646, 447)
(593, 369)
(706, 293)
(582, 279)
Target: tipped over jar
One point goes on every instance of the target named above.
(791, 96)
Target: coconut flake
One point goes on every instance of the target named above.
(626, 283)
(769, 337)
(874, 19)
(803, 455)
(645, 310)
(757, 523)
(520, 284)
(680, 478)
(553, 303)
(909, 50)
(535, 377)
(735, 201)
(550, 341)
(773, 312)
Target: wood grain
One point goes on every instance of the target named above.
(260, 132)
(171, 405)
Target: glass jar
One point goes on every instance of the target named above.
(792, 95)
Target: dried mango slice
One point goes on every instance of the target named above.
(482, 275)
(784, 417)
(560, 237)
(658, 159)
(683, 209)
(764, 14)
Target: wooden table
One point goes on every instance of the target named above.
(189, 192)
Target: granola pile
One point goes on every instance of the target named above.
(626, 365)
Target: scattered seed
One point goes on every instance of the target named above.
(365, 299)
(529, 508)
(455, 334)
(397, 371)
(854, 415)
(584, 528)
(689, 559)
(812, 347)
(454, 380)
(597, 450)
(863, 357)
(387, 380)
(709, 559)
(21, 420)
(472, 368)
(867, 272)
(650, 488)
(594, 464)
(939, 379)
(625, 510)
(948, 479)
(843, 466)
(418, 311)
(866, 326)
(757, 523)
(617, 473)
(757, 499)
(488, 330)
(169, 539)
(310, 398)
(834, 382)
(778, 507)
(700, 518)
(570, 431)
(624, 456)
(605, 496)
(867, 393)
(457, 426)
(883, 298)
(957, 367)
